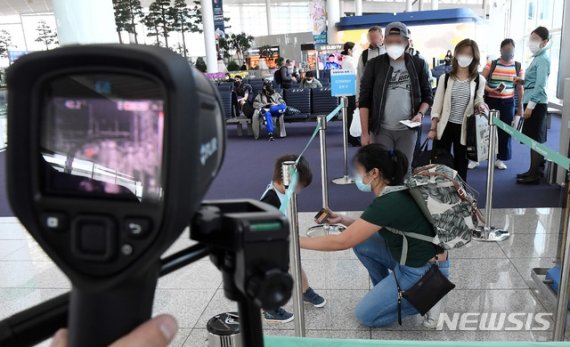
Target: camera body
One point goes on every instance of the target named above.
(111, 149)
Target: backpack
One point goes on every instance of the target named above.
(365, 57)
(494, 66)
(277, 76)
(447, 203)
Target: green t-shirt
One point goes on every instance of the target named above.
(399, 211)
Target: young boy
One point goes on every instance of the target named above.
(275, 195)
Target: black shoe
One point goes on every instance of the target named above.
(523, 175)
(529, 180)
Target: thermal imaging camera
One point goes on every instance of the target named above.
(111, 149)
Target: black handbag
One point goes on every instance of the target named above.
(425, 156)
(426, 293)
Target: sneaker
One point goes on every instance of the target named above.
(432, 316)
(472, 165)
(313, 298)
(278, 316)
(499, 164)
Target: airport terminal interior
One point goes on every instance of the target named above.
(298, 77)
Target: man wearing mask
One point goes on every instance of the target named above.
(394, 87)
(243, 94)
(284, 76)
(375, 49)
(310, 81)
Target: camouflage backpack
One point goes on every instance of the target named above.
(448, 204)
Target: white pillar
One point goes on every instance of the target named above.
(333, 17)
(209, 35)
(268, 14)
(358, 7)
(409, 5)
(434, 5)
(85, 21)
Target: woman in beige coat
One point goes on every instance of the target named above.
(458, 97)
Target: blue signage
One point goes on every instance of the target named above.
(343, 83)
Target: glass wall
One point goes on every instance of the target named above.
(287, 17)
(534, 13)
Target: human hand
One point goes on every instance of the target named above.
(483, 108)
(365, 139)
(417, 118)
(334, 218)
(527, 113)
(157, 332)
(431, 134)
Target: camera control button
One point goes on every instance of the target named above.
(93, 238)
(54, 221)
(137, 227)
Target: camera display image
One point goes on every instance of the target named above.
(104, 147)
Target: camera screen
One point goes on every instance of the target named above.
(102, 136)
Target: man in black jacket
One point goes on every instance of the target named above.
(395, 87)
(286, 77)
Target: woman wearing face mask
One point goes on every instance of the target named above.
(375, 246)
(348, 63)
(536, 101)
(459, 94)
(500, 95)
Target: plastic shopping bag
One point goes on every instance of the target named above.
(355, 127)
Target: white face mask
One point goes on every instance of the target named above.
(464, 60)
(395, 51)
(534, 46)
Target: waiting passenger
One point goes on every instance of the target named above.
(349, 64)
(536, 101)
(269, 104)
(243, 93)
(283, 76)
(274, 195)
(500, 95)
(459, 94)
(310, 81)
(448, 58)
(395, 87)
(376, 247)
(375, 48)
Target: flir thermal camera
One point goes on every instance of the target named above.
(111, 149)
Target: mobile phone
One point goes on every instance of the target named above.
(322, 216)
(501, 87)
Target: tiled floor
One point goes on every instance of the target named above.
(490, 278)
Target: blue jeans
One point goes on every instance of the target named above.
(379, 308)
(507, 109)
(274, 111)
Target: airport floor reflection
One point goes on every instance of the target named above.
(490, 278)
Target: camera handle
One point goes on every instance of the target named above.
(98, 318)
